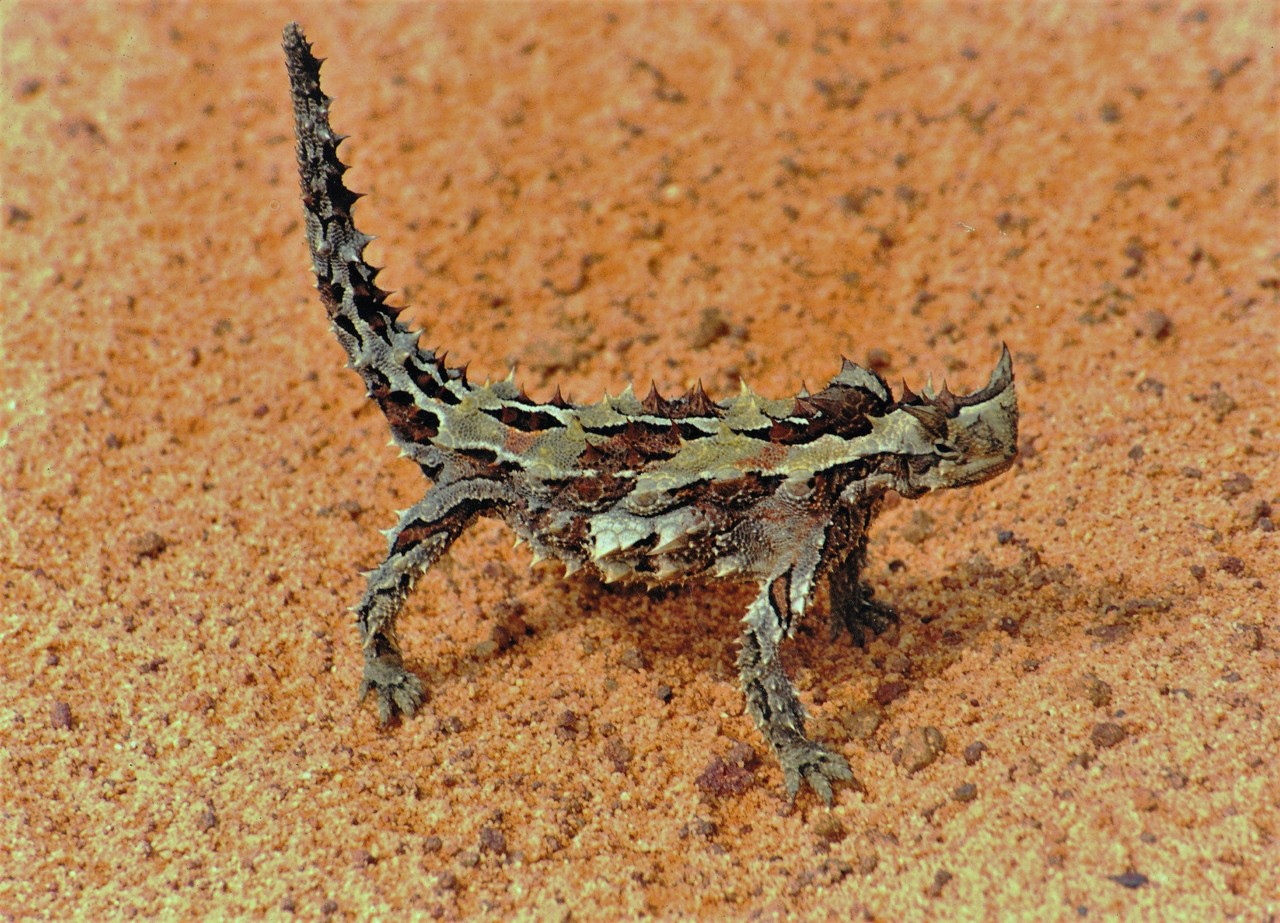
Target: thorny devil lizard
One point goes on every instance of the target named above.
(778, 492)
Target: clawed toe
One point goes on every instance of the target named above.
(877, 616)
(816, 765)
(395, 688)
(873, 616)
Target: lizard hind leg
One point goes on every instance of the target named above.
(852, 606)
(425, 531)
(774, 705)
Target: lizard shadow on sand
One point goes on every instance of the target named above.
(676, 632)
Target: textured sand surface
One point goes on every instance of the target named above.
(1078, 716)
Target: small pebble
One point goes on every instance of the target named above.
(493, 840)
(829, 828)
(940, 879)
(922, 747)
(1232, 565)
(1237, 484)
(60, 716)
(146, 545)
(1107, 734)
(1154, 324)
(1095, 690)
(1130, 879)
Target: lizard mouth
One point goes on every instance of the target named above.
(905, 475)
(910, 491)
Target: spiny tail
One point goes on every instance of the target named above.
(407, 382)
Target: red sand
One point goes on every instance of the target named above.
(191, 480)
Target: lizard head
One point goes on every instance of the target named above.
(947, 440)
(929, 441)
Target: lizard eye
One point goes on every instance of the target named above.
(945, 450)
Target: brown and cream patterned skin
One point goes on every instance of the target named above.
(777, 492)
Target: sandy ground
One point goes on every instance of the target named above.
(1077, 718)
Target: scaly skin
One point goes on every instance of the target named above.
(776, 492)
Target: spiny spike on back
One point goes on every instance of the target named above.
(945, 399)
(699, 403)
(654, 403)
(805, 407)
(557, 400)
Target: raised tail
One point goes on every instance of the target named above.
(407, 382)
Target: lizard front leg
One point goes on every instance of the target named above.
(425, 531)
(772, 700)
